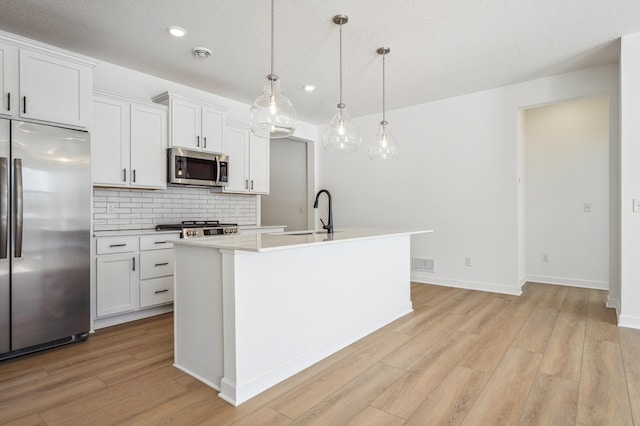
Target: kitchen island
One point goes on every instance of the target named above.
(252, 310)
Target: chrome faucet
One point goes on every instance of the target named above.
(329, 225)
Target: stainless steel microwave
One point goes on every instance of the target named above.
(187, 167)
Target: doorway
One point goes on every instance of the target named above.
(565, 193)
(291, 174)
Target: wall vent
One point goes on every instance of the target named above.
(423, 265)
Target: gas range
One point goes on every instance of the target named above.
(199, 228)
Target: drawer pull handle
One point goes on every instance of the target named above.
(134, 263)
(161, 291)
(160, 242)
(162, 264)
(117, 245)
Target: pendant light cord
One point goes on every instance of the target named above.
(341, 65)
(272, 32)
(383, 95)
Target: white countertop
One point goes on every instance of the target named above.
(294, 239)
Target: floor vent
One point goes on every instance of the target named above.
(423, 265)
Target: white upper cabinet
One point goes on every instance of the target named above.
(8, 79)
(193, 124)
(128, 143)
(248, 160)
(43, 84)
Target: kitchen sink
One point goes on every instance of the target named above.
(307, 233)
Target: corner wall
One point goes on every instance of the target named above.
(630, 181)
(457, 173)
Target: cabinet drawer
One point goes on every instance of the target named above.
(159, 241)
(156, 263)
(109, 245)
(156, 291)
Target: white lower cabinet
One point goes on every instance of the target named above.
(116, 284)
(134, 273)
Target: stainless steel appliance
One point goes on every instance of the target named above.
(45, 189)
(196, 168)
(200, 228)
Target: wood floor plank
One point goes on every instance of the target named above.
(485, 315)
(350, 400)
(535, 333)
(264, 416)
(118, 402)
(301, 398)
(576, 303)
(601, 321)
(505, 394)
(630, 346)
(416, 385)
(29, 420)
(44, 397)
(553, 400)
(633, 384)
(604, 397)
(563, 356)
(450, 402)
(551, 296)
(372, 416)
(409, 354)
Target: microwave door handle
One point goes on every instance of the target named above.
(217, 169)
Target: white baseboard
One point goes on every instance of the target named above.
(469, 285)
(569, 282)
(615, 304)
(629, 321)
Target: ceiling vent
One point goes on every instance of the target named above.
(201, 52)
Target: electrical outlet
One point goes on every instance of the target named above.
(467, 261)
(111, 208)
(237, 210)
(586, 207)
(545, 258)
(636, 205)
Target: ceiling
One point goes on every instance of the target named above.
(439, 48)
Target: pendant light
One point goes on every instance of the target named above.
(272, 115)
(341, 135)
(384, 146)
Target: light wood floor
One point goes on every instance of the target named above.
(552, 356)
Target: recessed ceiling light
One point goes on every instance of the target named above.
(309, 87)
(177, 31)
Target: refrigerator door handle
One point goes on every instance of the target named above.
(17, 165)
(4, 207)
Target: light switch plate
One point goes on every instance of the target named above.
(636, 205)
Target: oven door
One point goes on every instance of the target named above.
(188, 167)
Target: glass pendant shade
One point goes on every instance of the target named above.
(272, 115)
(384, 146)
(341, 135)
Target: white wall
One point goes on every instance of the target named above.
(567, 166)
(457, 174)
(630, 181)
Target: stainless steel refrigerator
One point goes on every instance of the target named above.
(45, 190)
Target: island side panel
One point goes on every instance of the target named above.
(198, 348)
(295, 307)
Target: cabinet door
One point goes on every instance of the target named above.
(236, 146)
(110, 142)
(8, 78)
(148, 146)
(53, 89)
(212, 129)
(116, 284)
(258, 164)
(185, 124)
